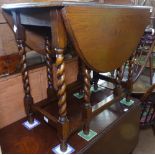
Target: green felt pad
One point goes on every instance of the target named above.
(81, 95)
(127, 103)
(145, 113)
(88, 137)
(78, 95)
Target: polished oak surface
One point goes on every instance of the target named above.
(99, 32)
(105, 37)
(60, 3)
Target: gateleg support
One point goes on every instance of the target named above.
(28, 100)
(51, 92)
(86, 133)
(63, 123)
(59, 42)
(117, 89)
(20, 38)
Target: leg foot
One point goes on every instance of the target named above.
(30, 126)
(63, 146)
(127, 102)
(91, 134)
(57, 150)
(28, 101)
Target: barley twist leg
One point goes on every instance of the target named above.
(117, 90)
(50, 89)
(95, 80)
(62, 98)
(28, 100)
(49, 64)
(129, 82)
(87, 106)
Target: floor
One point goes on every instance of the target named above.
(111, 125)
(146, 143)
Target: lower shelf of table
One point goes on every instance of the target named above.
(99, 100)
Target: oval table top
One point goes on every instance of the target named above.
(53, 3)
(104, 36)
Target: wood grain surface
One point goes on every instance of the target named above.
(105, 37)
(117, 1)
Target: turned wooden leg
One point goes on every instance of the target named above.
(28, 100)
(63, 127)
(129, 82)
(95, 80)
(117, 90)
(50, 89)
(87, 106)
(80, 77)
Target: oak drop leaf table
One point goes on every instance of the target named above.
(99, 33)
